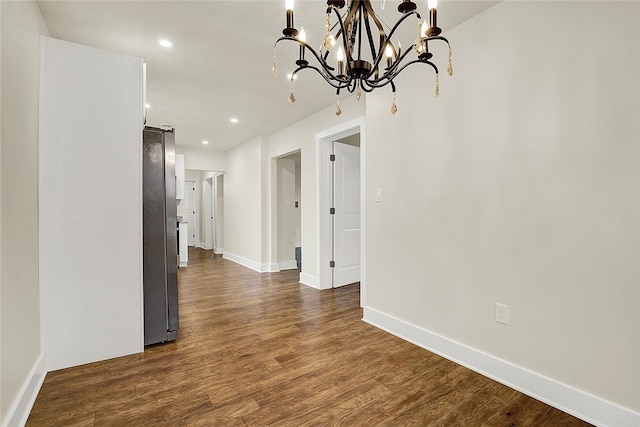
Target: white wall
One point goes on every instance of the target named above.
(202, 159)
(265, 205)
(521, 186)
(21, 27)
(243, 204)
(90, 202)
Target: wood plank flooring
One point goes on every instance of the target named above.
(262, 350)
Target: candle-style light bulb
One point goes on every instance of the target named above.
(388, 51)
(288, 4)
(340, 58)
(424, 28)
(302, 36)
(425, 33)
(433, 4)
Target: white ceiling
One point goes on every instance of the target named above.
(220, 65)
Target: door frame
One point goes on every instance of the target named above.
(196, 210)
(208, 212)
(274, 259)
(324, 140)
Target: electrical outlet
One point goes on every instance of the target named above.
(502, 313)
(379, 195)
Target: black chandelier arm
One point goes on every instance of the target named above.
(328, 68)
(373, 83)
(393, 30)
(439, 38)
(371, 87)
(394, 68)
(331, 79)
(378, 58)
(393, 71)
(386, 80)
(350, 88)
(367, 87)
(343, 32)
(375, 19)
(400, 56)
(400, 21)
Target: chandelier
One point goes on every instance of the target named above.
(364, 56)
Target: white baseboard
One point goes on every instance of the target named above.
(280, 266)
(255, 266)
(309, 280)
(218, 251)
(274, 268)
(288, 265)
(578, 403)
(19, 411)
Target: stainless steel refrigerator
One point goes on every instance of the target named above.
(160, 245)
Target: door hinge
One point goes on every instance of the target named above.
(332, 157)
(332, 264)
(332, 211)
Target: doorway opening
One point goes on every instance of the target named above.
(203, 209)
(287, 244)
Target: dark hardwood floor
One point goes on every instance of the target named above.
(260, 349)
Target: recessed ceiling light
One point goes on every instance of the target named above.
(165, 43)
(147, 106)
(233, 120)
(205, 142)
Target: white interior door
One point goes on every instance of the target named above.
(190, 211)
(346, 229)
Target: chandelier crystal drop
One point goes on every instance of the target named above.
(357, 54)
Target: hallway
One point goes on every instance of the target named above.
(261, 349)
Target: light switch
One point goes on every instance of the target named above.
(379, 195)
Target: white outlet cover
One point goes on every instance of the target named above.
(502, 314)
